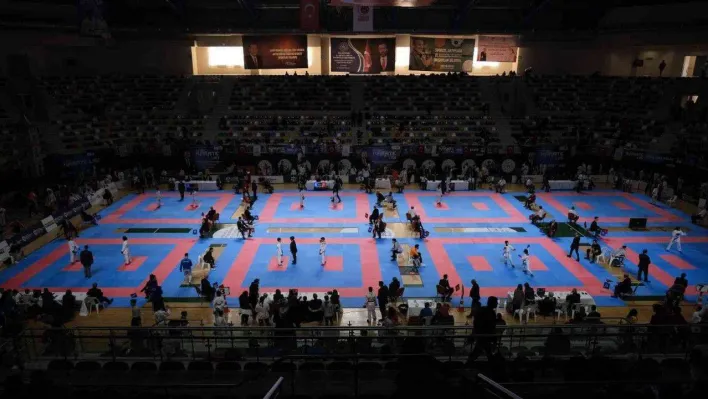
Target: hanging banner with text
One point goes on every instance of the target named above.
(441, 54)
(275, 52)
(363, 55)
(497, 48)
(363, 19)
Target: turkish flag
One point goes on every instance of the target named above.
(310, 15)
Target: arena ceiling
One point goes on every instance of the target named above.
(224, 16)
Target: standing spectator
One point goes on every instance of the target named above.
(244, 307)
(328, 310)
(86, 258)
(370, 306)
(662, 66)
(474, 293)
(483, 330)
(253, 293)
(382, 297)
(32, 203)
(574, 247)
(644, 261)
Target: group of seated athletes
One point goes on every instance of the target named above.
(416, 224)
(208, 222)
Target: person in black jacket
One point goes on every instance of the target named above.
(181, 188)
(644, 261)
(484, 330)
(293, 249)
(574, 247)
(336, 188)
(474, 296)
(254, 188)
(382, 297)
(374, 215)
(86, 258)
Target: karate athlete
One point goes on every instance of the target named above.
(125, 250)
(323, 251)
(158, 194)
(508, 249)
(302, 200)
(440, 194)
(526, 261)
(73, 250)
(676, 239)
(279, 251)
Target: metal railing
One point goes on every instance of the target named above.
(263, 343)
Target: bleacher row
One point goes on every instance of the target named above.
(103, 111)
(272, 128)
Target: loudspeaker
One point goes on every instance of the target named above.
(637, 223)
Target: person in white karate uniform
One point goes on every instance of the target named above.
(73, 251)
(302, 200)
(158, 194)
(193, 191)
(440, 194)
(508, 249)
(125, 250)
(526, 261)
(323, 251)
(371, 306)
(279, 252)
(676, 239)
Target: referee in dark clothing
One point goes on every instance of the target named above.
(574, 246)
(293, 249)
(644, 261)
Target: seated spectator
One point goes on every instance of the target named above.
(219, 302)
(517, 299)
(552, 228)
(538, 216)
(557, 342)
(699, 216)
(529, 294)
(547, 305)
(593, 252)
(571, 300)
(425, 312)
(624, 287)
(209, 258)
(573, 215)
(530, 201)
(86, 218)
(96, 292)
(594, 314)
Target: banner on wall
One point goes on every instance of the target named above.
(205, 157)
(363, 55)
(441, 54)
(381, 3)
(275, 52)
(363, 19)
(310, 15)
(497, 48)
(379, 155)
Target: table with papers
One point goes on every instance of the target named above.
(202, 185)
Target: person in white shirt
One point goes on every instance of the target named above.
(412, 213)
(539, 215)
(676, 239)
(573, 215)
(323, 251)
(654, 195)
(395, 249)
(698, 216)
(526, 261)
(125, 250)
(219, 302)
(279, 252)
(672, 201)
(501, 184)
(371, 306)
(73, 251)
(302, 200)
(158, 195)
(193, 191)
(440, 194)
(508, 249)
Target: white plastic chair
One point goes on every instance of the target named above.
(530, 310)
(92, 302)
(605, 255)
(561, 311)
